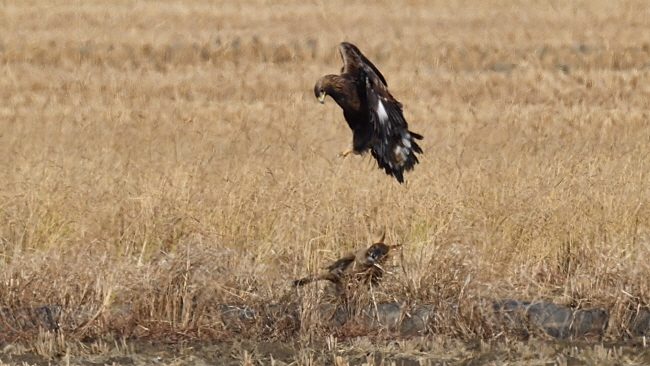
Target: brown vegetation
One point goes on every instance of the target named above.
(167, 157)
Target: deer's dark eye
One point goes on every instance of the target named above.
(373, 253)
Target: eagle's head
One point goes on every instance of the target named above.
(319, 90)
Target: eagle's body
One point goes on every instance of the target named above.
(374, 116)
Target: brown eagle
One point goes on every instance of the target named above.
(372, 113)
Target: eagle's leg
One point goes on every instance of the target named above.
(357, 147)
(360, 142)
(346, 152)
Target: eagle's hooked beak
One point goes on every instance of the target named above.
(321, 97)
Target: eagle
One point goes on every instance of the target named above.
(373, 114)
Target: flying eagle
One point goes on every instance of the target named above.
(372, 113)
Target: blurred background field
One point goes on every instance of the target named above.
(168, 156)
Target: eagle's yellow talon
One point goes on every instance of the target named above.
(346, 152)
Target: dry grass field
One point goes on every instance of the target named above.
(164, 157)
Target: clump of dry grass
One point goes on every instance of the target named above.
(166, 160)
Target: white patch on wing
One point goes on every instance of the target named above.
(406, 140)
(401, 154)
(381, 111)
(403, 150)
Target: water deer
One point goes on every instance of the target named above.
(364, 265)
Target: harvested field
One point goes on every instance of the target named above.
(164, 159)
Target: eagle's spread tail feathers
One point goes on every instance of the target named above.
(399, 154)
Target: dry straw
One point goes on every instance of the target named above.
(161, 160)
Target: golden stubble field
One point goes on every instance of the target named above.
(168, 156)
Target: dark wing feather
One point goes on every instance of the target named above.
(393, 145)
(354, 60)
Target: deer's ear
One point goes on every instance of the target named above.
(379, 237)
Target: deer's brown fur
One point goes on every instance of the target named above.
(363, 265)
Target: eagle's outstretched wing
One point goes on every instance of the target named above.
(354, 60)
(393, 145)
